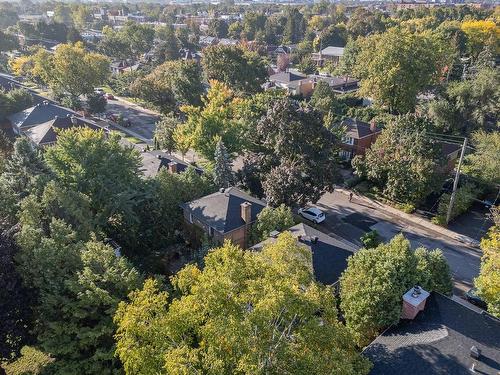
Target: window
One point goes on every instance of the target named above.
(348, 140)
(346, 155)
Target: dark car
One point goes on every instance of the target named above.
(473, 298)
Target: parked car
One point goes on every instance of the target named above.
(109, 96)
(472, 297)
(312, 213)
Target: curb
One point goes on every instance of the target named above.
(416, 220)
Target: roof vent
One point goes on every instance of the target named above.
(221, 190)
(274, 234)
(475, 352)
(314, 239)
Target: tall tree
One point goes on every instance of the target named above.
(484, 163)
(272, 219)
(164, 133)
(403, 161)
(205, 329)
(296, 154)
(217, 28)
(223, 173)
(396, 66)
(480, 34)
(375, 280)
(295, 26)
(243, 71)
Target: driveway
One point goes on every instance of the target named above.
(143, 120)
(352, 219)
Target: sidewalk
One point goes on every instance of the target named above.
(413, 219)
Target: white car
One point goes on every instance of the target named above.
(312, 213)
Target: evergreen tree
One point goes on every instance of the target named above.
(223, 174)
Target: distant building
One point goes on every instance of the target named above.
(437, 335)
(154, 161)
(329, 54)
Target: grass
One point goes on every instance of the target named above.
(133, 139)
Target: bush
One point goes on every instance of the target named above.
(96, 103)
(271, 219)
(464, 198)
(407, 208)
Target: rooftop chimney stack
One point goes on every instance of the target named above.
(414, 302)
(246, 212)
(373, 126)
(172, 167)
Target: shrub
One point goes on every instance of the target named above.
(370, 239)
(464, 198)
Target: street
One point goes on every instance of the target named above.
(352, 219)
(142, 120)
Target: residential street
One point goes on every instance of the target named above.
(143, 120)
(352, 219)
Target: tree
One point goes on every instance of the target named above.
(307, 65)
(480, 34)
(215, 121)
(484, 163)
(71, 69)
(243, 71)
(96, 103)
(217, 28)
(205, 329)
(223, 173)
(170, 85)
(295, 26)
(488, 281)
(397, 65)
(253, 24)
(334, 35)
(14, 101)
(296, 154)
(375, 280)
(138, 36)
(283, 62)
(164, 133)
(168, 47)
(114, 44)
(7, 42)
(15, 314)
(87, 161)
(403, 161)
(272, 219)
(364, 22)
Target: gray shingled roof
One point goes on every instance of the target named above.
(153, 161)
(333, 51)
(286, 77)
(222, 210)
(39, 114)
(46, 133)
(358, 129)
(329, 254)
(438, 341)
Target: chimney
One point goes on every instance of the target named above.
(314, 239)
(414, 302)
(172, 167)
(274, 234)
(373, 126)
(246, 212)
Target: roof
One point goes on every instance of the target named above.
(335, 81)
(39, 114)
(332, 51)
(7, 84)
(329, 254)
(449, 148)
(46, 133)
(222, 210)
(286, 77)
(358, 129)
(153, 161)
(438, 341)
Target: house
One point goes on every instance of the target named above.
(119, 67)
(154, 161)
(329, 54)
(339, 85)
(450, 152)
(329, 254)
(359, 137)
(228, 42)
(206, 41)
(225, 215)
(444, 336)
(293, 83)
(45, 134)
(36, 115)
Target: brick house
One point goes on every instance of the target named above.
(359, 136)
(225, 215)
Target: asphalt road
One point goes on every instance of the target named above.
(143, 120)
(352, 219)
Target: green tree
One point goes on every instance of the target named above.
(252, 330)
(488, 281)
(375, 280)
(243, 71)
(295, 26)
(7, 42)
(271, 219)
(296, 159)
(396, 66)
(223, 173)
(217, 28)
(484, 162)
(215, 121)
(307, 65)
(364, 22)
(167, 48)
(96, 103)
(170, 85)
(403, 161)
(164, 133)
(334, 35)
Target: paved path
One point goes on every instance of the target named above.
(352, 219)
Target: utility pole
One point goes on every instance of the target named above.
(455, 182)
